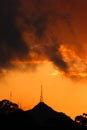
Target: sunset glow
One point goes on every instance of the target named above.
(44, 42)
(59, 92)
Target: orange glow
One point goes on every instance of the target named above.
(18, 62)
(44, 41)
(77, 66)
(59, 92)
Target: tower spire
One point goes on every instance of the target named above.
(10, 96)
(41, 96)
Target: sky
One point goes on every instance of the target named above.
(44, 42)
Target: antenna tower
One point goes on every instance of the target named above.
(10, 96)
(41, 95)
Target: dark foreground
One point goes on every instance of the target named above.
(40, 117)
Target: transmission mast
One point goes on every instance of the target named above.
(41, 95)
(10, 96)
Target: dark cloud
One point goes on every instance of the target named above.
(33, 29)
(38, 17)
(55, 56)
(12, 45)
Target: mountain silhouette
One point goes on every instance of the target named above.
(44, 116)
(40, 116)
(41, 113)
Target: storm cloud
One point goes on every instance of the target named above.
(12, 45)
(33, 30)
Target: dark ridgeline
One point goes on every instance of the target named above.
(41, 116)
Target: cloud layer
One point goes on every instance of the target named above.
(34, 30)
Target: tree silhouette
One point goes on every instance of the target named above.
(85, 115)
(81, 119)
(7, 107)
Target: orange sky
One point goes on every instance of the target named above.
(59, 92)
(44, 42)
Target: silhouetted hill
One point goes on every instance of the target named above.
(40, 116)
(44, 116)
(41, 113)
